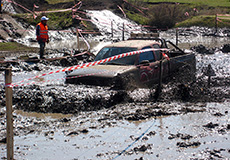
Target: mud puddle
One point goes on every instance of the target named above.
(93, 135)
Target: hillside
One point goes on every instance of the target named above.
(160, 14)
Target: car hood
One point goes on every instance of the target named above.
(101, 71)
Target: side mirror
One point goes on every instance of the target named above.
(145, 62)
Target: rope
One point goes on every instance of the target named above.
(135, 140)
(98, 144)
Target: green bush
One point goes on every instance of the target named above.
(166, 15)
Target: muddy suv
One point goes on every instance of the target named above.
(135, 71)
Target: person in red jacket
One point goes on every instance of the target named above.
(42, 35)
(1, 6)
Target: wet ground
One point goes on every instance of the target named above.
(53, 120)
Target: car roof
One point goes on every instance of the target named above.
(139, 44)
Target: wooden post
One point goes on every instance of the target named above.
(112, 29)
(209, 74)
(158, 90)
(9, 117)
(123, 32)
(216, 23)
(78, 41)
(209, 81)
(177, 36)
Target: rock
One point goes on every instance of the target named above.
(202, 49)
(3, 140)
(226, 48)
(72, 133)
(211, 125)
(188, 144)
(65, 120)
(84, 131)
(143, 148)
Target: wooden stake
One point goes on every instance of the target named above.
(177, 36)
(111, 29)
(216, 23)
(9, 116)
(159, 87)
(123, 32)
(78, 42)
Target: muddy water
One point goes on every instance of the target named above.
(186, 40)
(159, 138)
(181, 130)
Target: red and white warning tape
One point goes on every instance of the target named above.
(87, 65)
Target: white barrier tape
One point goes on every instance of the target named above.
(135, 7)
(85, 41)
(122, 10)
(35, 13)
(91, 63)
(61, 10)
(227, 15)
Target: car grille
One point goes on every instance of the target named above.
(98, 81)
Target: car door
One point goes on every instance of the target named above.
(159, 56)
(149, 67)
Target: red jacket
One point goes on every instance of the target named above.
(42, 32)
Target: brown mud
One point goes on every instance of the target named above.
(86, 110)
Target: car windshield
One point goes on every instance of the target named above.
(112, 51)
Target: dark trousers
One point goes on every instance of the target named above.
(42, 48)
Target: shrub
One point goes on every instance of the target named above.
(166, 15)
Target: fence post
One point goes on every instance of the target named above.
(112, 29)
(177, 36)
(216, 23)
(123, 32)
(159, 87)
(78, 41)
(9, 116)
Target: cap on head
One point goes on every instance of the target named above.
(44, 18)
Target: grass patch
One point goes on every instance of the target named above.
(214, 3)
(137, 17)
(60, 20)
(58, 1)
(16, 47)
(204, 21)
